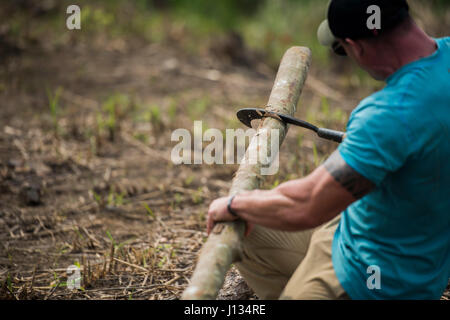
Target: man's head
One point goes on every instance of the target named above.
(365, 30)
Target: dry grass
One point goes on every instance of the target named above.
(85, 170)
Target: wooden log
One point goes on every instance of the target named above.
(223, 245)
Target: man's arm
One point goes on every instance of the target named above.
(348, 178)
(298, 204)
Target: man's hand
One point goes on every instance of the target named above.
(218, 212)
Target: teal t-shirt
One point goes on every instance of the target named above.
(399, 138)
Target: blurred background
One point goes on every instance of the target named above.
(86, 118)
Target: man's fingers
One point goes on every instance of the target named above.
(211, 221)
(218, 212)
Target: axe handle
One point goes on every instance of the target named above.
(324, 133)
(329, 134)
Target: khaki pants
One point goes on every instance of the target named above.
(291, 265)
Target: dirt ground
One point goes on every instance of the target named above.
(77, 190)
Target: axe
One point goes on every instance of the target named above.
(247, 115)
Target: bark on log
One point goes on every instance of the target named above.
(223, 245)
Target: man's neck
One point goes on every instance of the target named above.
(415, 45)
(409, 47)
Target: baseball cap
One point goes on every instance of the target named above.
(348, 19)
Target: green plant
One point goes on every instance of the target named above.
(97, 19)
(53, 103)
(110, 237)
(275, 183)
(178, 198)
(339, 116)
(118, 247)
(197, 108)
(316, 156)
(149, 211)
(155, 118)
(115, 199)
(114, 110)
(189, 179)
(325, 107)
(144, 260)
(64, 248)
(197, 196)
(98, 198)
(142, 137)
(201, 216)
(162, 262)
(172, 110)
(9, 282)
(300, 140)
(77, 231)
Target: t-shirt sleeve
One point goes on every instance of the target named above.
(376, 143)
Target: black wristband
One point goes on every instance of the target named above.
(230, 210)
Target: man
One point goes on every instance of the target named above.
(372, 222)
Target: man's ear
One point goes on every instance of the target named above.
(355, 46)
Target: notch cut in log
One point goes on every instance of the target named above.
(223, 246)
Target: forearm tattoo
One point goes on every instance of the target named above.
(351, 180)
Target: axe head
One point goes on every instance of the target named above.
(247, 115)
